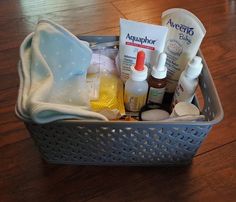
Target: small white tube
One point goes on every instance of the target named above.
(188, 81)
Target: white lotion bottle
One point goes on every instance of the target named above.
(188, 82)
(136, 87)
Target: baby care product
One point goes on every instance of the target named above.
(154, 115)
(184, 37)
(110, 102)
(188, 81)
(135, 36)
(136, 86)
(185, 109)
(157, 81)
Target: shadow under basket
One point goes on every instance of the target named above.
(128, 143)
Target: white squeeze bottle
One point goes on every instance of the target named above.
(188, 82)
(136, 86)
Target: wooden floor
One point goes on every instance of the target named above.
(23, 174)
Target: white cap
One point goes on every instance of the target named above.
(183, 109)
(136, 75)
(159, 71)
(194, 68)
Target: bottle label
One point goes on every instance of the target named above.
(181, 95)
(156, 95)
(133, 102)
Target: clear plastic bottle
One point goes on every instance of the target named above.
(188, 82)
(136, 86)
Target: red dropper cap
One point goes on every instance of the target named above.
(139, 66)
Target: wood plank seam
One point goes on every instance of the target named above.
(218, 147)
(119, 10)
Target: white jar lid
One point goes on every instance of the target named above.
(154, 115)
(184, 108)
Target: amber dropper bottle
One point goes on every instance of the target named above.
(157, 81)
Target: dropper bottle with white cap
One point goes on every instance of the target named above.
(157, 81)
(188, 81)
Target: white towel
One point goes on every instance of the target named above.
(52, 75)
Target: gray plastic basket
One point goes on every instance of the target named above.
(128, 143)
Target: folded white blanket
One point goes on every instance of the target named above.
(52, 73)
